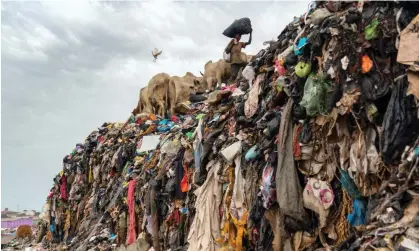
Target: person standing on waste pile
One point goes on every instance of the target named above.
(234, 49)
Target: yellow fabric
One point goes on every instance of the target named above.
(224, 240)
(241, 230)
(90, 175)
(67, 221)
(233, 229)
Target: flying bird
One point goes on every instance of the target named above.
(156, 53)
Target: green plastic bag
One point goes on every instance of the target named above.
(302, 69)
(315, 95)
(371, 31)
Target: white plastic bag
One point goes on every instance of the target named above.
(230, 152)
(249, 74)
(226, 56)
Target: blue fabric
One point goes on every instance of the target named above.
(301, 43)
(251, 153)
(349, 185)
(165, 125)
(357, 217)
(197, 156)
(52, 224)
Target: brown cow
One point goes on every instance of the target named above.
(180, 89)
(157, 90)
(144, 104)
(216, 73)
(24, 231)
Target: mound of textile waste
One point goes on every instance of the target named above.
(315, 148)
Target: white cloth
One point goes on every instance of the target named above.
(205, 228)
(237, 199)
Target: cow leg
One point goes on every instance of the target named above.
(172, 105)
(234, 71)
(219, 80)
(209, 84)
(162, 109)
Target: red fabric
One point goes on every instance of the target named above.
(63, 188)
(297, 147)
(174, 218)
(230, 88)
(184, 183)
(174, 119)
(132, 235)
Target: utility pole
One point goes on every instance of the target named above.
(18, 208)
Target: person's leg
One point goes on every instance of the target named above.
(234, 70)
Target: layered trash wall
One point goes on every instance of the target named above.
(315, 147)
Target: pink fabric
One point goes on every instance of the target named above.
(230, 88)
(63, 188)
(132, 235)
(279, 68)
(266, 181)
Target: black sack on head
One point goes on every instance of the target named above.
(400, 125)
(240, 26)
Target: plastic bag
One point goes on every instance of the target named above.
(302, 69)
(371, 30)
(374, 86)
(400, 125)
(240, 26)
(301, 43)
(319, 15)
(248, 73)
(226, 56)
(315, 95)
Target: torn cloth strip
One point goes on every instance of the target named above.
(131, 227)
(289, 194)
(63, 188)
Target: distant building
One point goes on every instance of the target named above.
(30, 212)
(16, 222)
(10, 219)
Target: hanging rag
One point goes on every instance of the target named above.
(357, 217)
(63, 187)
(288, 189)
(349, 185)
(205, 228)
(131, 227)
(179, 173)
(251, 104)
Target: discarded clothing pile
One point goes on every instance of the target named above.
(315, 148)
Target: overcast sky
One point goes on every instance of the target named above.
(67, 67)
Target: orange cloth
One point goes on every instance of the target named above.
(366, 64)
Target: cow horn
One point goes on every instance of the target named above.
(201, 73)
